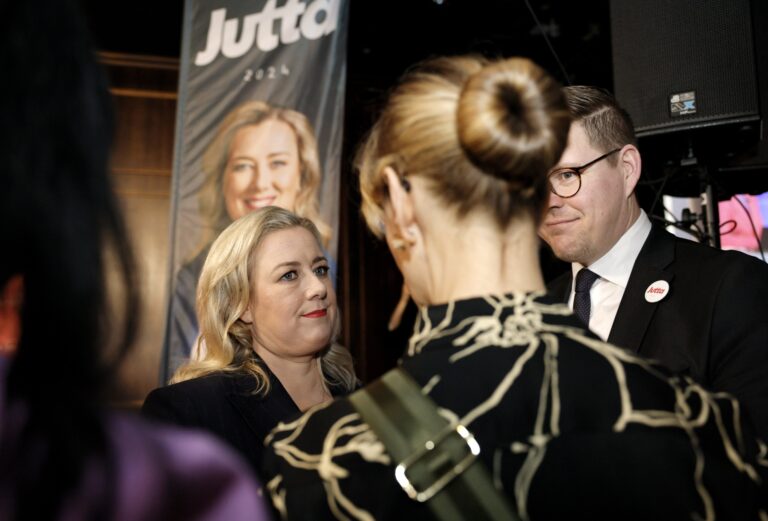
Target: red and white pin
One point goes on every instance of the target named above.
(657, 291)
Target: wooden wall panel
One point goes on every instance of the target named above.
(144, 94)
(146, 205)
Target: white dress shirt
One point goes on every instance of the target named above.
(614, 269)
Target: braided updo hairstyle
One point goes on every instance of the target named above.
(484, 133)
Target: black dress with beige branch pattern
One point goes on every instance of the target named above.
(569, 427)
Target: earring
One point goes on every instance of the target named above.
(399, 244)
(397, 314)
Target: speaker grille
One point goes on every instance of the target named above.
(667, 47)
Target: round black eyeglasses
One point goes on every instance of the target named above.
(566, 182)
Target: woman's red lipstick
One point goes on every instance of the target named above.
(318, 313)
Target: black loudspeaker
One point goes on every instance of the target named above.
(684, 64)
(693, 74)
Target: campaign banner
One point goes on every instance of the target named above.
(255, 76)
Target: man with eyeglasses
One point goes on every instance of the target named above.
(701, 311)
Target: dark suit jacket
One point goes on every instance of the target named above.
(712, 325)
(223, 404)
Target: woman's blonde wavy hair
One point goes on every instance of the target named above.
(216, 157)
(224, 292)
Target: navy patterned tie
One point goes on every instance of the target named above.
(581, 303)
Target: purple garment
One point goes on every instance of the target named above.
(158, 473)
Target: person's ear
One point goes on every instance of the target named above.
(631, 166)
(247, 316)
(400, 211)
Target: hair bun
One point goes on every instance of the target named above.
(512, 121)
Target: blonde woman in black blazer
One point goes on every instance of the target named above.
(268, 318)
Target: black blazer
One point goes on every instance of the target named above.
(224, 404)
(712, 325)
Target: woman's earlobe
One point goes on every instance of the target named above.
(247, 317)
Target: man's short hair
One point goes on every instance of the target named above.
(606, 124)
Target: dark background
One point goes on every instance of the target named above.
(385, 37)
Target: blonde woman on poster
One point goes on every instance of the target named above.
(261, 155)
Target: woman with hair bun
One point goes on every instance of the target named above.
(454, 175)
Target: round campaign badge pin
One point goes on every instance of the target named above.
(657, 291)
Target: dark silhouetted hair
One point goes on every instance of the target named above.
(61, 230)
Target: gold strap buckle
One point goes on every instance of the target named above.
(435, 456)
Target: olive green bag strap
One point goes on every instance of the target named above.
(436, 460)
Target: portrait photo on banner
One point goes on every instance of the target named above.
(259, 123)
